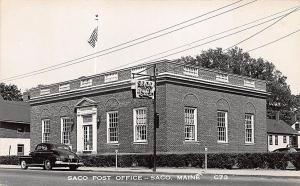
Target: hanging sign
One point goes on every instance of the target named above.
(144, 89)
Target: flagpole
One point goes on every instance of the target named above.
(96, 47)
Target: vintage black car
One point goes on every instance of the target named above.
(48, 155)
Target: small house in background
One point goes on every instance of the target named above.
(296, 127)
(14, 128)
(280, 134)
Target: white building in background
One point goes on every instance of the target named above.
(281, 135)
(14, 128)
(296, 127)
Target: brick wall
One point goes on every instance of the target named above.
(170, 105)
(122, 102)
(206, 103)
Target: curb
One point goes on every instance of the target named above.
(190, 173)
(171, 173)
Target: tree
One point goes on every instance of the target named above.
(238, 62)
(10, 92)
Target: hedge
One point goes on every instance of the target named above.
(215, 160)
(9, 160)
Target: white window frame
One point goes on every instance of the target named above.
(249, 83)
(90, 125)
(135, 124)
(252, 128)
(86, 82)
(222, 77)
(137, 70)
(108, 115)
(111, 77)
(43, 131)
(284, 139)
(64, 87)
(191, 71)
(226, 127)
(190, 122)
(62, 121)
(44, 91)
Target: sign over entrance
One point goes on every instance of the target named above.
(144, 89)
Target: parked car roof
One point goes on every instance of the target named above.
(287, 149)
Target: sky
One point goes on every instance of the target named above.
(36, 34)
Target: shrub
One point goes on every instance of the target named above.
(9, 160)
(215, 160)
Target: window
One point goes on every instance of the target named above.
(44, 91)
(297, 126)
(111, 77)
(140, 125)
(222, 78)
(66, 123)
(190, 124)
(87, 137)
(112, 127)
(222, 127)
(249, 128)
(284, 139)
(86, 82)
(87, 133)
(249, 83)
(45, 130)
(276, 140)
(64, 87)
(270, 140)
(20, 130)
(140, 70)
(191, 71)
(20, 149)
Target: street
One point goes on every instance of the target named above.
(61, 177)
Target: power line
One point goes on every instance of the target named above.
(157, 54)
(260, 31)
(274, 41)
(74, 60)
(168, 54)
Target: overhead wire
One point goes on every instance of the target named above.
(151, 61)
(262, 30)
(75, 61)
(181, 46)
(274, 41)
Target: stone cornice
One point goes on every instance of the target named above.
(165, 77)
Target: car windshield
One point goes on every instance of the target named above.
(64, 147)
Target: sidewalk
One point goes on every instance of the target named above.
(160, 170)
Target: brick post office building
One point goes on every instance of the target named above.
(198, 108)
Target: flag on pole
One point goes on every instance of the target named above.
(93, 38)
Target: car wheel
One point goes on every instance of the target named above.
(24, 165)
(73, 167)
(47, 165)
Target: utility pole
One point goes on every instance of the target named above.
(155, 114)
(155, 124)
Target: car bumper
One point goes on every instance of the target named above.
(62, 163)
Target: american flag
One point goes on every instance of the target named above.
(93, 38)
